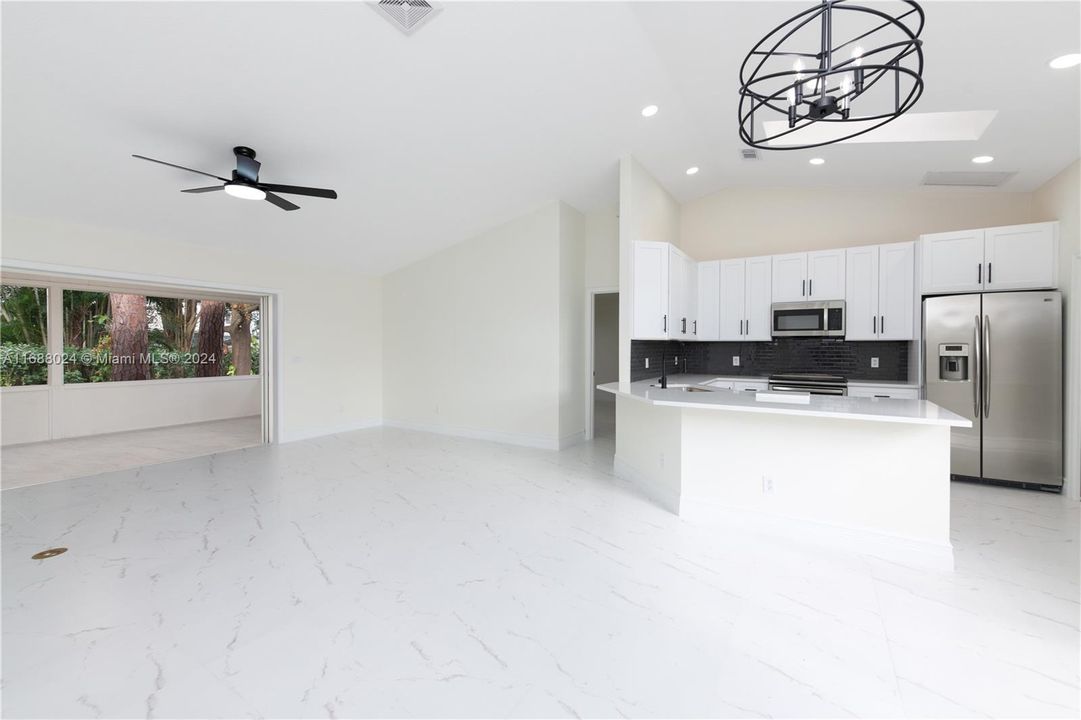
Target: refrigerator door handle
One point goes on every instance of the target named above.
(977, 339)
(986, 372)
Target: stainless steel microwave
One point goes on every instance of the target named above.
(809, 319)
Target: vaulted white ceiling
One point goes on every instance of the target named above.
(486, 112)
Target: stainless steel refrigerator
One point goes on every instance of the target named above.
(996, 358)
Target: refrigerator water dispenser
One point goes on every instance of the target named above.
(953, 362)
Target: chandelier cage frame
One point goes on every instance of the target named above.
(833, 104)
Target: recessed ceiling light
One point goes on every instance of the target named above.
(246, 192)
(817, 161)
(692, 170)
(649, 110)
(982, 159)
(1066, 61)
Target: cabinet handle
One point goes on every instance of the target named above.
(695, 331)
(979, 274)
(874, 324)
(989, 273)
(803, 288)
(683, 326)
(882, 324)
(881, 396)
(811, 287)
(666, 323)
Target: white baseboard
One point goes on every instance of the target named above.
(541, 442)
(308, 434)
(626, 471)
(573, 439)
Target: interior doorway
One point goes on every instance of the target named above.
(603, 362)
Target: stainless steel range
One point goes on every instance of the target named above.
(814, 383)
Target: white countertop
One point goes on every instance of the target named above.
(884, 383)
(919, 412)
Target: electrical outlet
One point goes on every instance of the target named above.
(767, 485)
(874, 362)
(647, 363)
(735, 361)
(677, 360)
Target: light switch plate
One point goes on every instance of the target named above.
(735, 361)
(647, 363)
(874, 362)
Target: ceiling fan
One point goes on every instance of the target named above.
(245, 182)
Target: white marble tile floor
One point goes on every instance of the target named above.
(388, 573)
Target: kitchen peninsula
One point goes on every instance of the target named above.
(879, 467)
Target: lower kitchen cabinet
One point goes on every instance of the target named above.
(883, 391)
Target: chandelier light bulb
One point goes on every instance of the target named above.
(857, 55)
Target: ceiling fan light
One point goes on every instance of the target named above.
(245, 192)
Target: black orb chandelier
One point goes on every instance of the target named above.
(851, 67)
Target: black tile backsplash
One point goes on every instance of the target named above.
(821, 355)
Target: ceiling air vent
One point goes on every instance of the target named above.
(407, 15)
(967, 179)
(748, 154)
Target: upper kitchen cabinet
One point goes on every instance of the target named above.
(826, 275)
(682, 296)
(708, 322)
(880, 292)
(664, 303)
(809, 276)
(790, 277)
(952, 262)
(1016, 257)
(746, 295)
(649, 305)
(1021, 257)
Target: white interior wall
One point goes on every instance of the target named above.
(646, 212)
(571, 350)
(329, 320)
(602, 249)
(471, 336)
(1060, 199)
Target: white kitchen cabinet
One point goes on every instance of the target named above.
(861, 293)
(880, 292)
(1015, 257)
(816, 275)
(746, 295)
(708, 322)
(897, 291)
(682, 298)
(733, 299)
(1020, 257)
(677, 295)
(650, 294)
(952, 262)
(826, 275)
(758, 297)
(789, 277)
(883, 391)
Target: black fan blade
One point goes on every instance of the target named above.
(281, 202)
(297, 190)
(179, 167)
(247, 168)
(212, 188)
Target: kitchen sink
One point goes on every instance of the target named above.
(685, 388)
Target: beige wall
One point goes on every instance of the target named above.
(742, 222)
(331, 373)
